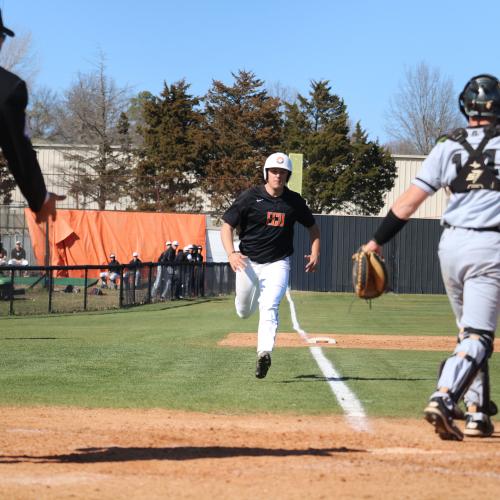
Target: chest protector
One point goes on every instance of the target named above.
(479, 170)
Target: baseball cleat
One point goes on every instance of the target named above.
(263, 364)
(441, 417)
(478, 425)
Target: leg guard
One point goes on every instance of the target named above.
(469, 357)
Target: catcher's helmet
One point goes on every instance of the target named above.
(481, 97)
(278, 160)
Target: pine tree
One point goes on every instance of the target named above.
(244, 127)
(370, 176)
(170, 161)
(317, 127)
(7, 182)
(339, 174)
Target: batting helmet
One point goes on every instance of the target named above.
(480, 97)
(278, 160)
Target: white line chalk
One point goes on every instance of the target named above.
(352, 407)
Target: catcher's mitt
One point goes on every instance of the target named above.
(369, 275)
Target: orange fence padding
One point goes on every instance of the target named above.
(81, 237)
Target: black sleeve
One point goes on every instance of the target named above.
(304, 214)
(233, 214)
(18, 150)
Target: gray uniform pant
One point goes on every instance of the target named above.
(470, 266)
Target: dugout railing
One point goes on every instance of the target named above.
(54, 289)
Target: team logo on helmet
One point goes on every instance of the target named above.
(280, 159)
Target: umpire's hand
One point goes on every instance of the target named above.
(49, 208)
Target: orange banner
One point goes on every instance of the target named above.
(81, 237)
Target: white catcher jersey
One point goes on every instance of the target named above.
(479, 208)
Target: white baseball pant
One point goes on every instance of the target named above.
(265, 285)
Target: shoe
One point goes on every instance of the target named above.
(441, 417)
(263, 364)
(478, 425)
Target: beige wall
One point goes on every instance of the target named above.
(408, 167)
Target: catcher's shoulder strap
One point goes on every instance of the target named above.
(479, 169)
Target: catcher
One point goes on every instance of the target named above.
(467, 162)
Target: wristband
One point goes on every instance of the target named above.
(234, 251)
(389, 227)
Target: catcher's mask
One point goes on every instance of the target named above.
(480, 97)
(278, 160)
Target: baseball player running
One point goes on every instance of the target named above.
(265, 216)
(467, 162)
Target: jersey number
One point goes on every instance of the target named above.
(275, 219)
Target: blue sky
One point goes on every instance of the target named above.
(362, 47)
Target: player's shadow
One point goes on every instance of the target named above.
(319, 378)
(179, 453)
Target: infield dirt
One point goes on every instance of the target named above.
(349, 341)
(105, 453)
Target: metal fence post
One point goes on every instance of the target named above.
(11, 305)
(85, 289)
(150, 276)
(50, 290)
(120, 295)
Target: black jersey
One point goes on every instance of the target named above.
(266, 222)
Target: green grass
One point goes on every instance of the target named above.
(166, 355)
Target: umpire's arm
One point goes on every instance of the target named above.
(18, 150)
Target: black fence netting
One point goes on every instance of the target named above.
(39, 289)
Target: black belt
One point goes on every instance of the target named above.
(481, 229)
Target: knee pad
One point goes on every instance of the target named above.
(470, 356)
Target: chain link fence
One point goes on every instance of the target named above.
(28, 290)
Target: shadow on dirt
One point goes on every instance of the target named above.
(118, 454)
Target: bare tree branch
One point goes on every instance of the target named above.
(424, 108)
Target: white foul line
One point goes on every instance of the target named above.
(346, 398)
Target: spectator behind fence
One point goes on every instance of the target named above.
(168, 269)
(133, 271)
(160, 272)
(199, 275)
(16, 145)
(198, 256)
(18, 256)
(113, 273)
(3, 255)
(178, 273)
(188, 271)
